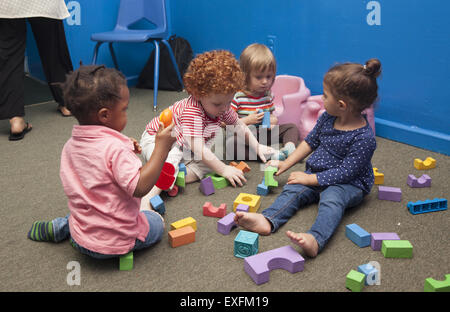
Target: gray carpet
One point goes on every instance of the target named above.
(31, 190)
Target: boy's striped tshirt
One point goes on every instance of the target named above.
(245, 104)
(191, 120)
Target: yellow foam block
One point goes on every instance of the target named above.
(379, 177)
(428, 163)
(252, 201)
(184, 222)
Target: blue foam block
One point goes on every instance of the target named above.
(371, 273)
(262, 189)
(158, 204)
(428, 205)
(357, 235)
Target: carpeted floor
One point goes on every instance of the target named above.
(31, 190)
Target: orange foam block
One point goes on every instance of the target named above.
(210, 211)
(241, 166)
(181, 236)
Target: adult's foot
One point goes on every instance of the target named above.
(19, 127)
(64, 111)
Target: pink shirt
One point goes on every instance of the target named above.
(191, 120)
(99, 172)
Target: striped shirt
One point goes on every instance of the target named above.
(191, 120)
(245, 104)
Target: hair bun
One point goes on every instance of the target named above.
(373, 68)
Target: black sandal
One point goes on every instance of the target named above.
(20, 135)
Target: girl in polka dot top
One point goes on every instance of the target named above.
(338, 170)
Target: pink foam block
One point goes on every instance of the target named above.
(210, 211)
(226, 224)
(423, 181)
(259, 266)
(389, 193)
(377, 239)
(206, 186)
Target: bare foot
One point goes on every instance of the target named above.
(18, 124)
(306, 241)
(64, 111)
(254, 222)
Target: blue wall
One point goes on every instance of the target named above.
(412, 42)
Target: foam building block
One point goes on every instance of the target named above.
(182, 168)
(262, 188)
(126, 262)
(226, 224)
(266, 120)
(181, 179)
(158, 204)
(207, 186)
(268, 176)
(246, 244)
(423, 181)
(181, 236)
(210, 211)
(252, 201)
(166, 177)
(218, 181)
(357, 235)
(378, 238)
(355, 281)
(397, 249)
(242, 207)
(432, 285)
(379, 177)
(370, 272)
(189, 221)
(428, 205)
(428, 163)
(241, 166)
(390, 193)
(258, 266)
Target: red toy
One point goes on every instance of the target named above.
(210, 211)
(166, 177)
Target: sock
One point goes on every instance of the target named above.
(41, 232)
(288, 149)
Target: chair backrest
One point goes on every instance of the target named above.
(285, 84)
(132, 11)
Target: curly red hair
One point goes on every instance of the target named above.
(213, 72)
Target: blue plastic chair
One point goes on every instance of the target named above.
(133, 11)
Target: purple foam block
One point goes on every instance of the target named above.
(423, 181)
(378, 238)
(207, 186)
(389, 193)
(259, 266)
(242, 207)
(226, 224)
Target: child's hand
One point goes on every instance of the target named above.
(233, 175)
(254, 118)
(137, 147)
(300, 177)
(164, 135)
(280, 164)
(264, 150)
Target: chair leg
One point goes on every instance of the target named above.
(174, 62)
(94, 59)
(113, 55)
(156, 75)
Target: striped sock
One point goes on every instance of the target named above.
(41, 232)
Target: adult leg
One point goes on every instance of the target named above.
(13, 33)
(334, 200)
(51, 43)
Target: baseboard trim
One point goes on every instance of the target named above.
(427, 139)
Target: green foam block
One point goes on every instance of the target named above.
(355, 281)
(126, 262)
(397, 249)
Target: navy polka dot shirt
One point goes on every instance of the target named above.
(341, 157)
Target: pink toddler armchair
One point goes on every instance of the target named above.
(289, 92)
(294, 104)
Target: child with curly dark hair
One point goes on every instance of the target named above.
(101, 174)
(211, 80)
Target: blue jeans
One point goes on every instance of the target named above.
(333, 201)
(61, 232)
